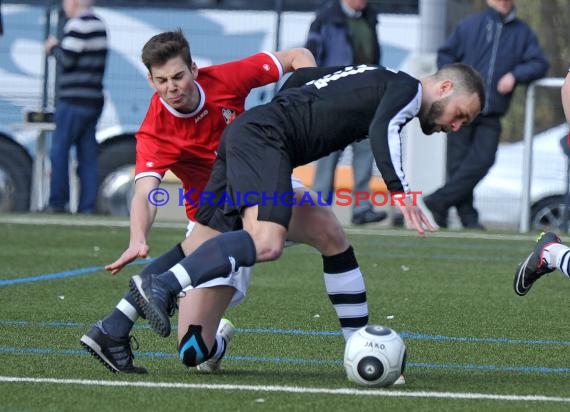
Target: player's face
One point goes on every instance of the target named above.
(174, 82)
(449, 113)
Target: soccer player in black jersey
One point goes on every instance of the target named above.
(258, 151)
(182, 134)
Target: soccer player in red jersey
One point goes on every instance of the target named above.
(181, 133)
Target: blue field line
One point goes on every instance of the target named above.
(61, 275)
(301, 332)
(525, 369)
(300, 361)
(92, 269)
(51, 276)
(276, 331)
(422, 336)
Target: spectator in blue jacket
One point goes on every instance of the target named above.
(506, 52)
(343, 33)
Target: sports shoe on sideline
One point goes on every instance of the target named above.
(227, 330)
(368, 216)
(156, 301)
(535, 265)
(115, 353)
(400, 381)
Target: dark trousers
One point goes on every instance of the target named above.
(75, 126)
(362, 159)
(470, 154)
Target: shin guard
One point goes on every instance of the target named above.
(192, 349)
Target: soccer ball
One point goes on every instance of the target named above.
(374, 356)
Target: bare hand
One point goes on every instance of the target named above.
(132, 253)
(414, 216)
(506, 83)
(50, 43)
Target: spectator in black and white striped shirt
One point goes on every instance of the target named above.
(81, 55)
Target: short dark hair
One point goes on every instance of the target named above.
(465, 78)
(165, 46)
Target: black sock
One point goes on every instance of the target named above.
(122, 319)
(165, 261)
(217, 257)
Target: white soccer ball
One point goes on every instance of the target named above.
(374, 356)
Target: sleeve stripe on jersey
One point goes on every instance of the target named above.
(395, 140)
(146, 174)
(277, 63)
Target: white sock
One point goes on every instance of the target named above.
(220, 347)
(348, 295)
(552, 254)
(562, 258)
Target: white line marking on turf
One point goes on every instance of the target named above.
(448, 235)
(379, 231)
(291, 389)
(88, 222)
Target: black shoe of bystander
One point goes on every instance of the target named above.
(370, 216)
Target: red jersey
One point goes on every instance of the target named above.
(186, 143)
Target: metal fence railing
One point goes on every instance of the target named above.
(530, 103)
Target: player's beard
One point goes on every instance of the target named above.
(435, 111)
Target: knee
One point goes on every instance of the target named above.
(269, 251)
(332, 238)
(268, 244)
(192, 350)
(326, 234)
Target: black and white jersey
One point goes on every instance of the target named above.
(326, 113)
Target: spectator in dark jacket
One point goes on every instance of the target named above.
(506, 52)
(344, 33)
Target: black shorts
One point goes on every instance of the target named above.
(252, 168)
(211, 211)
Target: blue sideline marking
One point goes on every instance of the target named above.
(275, 331)
(301, 361)
(64, 274)
(50, 276)
(422, 336)
(297, 332)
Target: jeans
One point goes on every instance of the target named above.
(75, 126)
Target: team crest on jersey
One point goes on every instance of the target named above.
(229, 115)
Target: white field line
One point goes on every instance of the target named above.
(378, 231)
(291, 389)
(74, 221)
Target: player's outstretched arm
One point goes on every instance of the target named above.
(143, 212)
(297, 58)
(414, 216)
